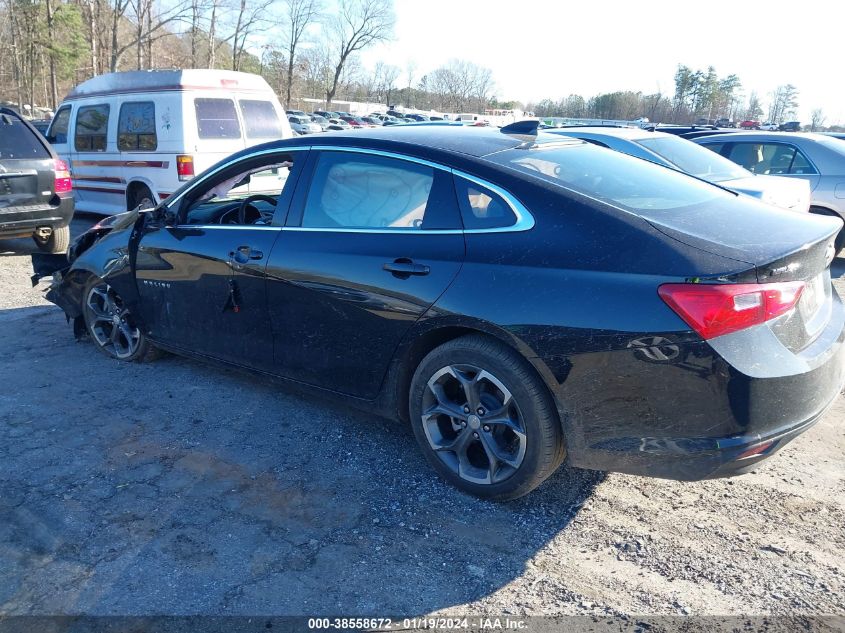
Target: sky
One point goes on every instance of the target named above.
(542, 49)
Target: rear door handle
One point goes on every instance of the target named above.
(404, 268)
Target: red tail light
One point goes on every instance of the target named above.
(185, 167)
(714, 310)
(63, 183)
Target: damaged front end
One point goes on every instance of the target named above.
(102, 251)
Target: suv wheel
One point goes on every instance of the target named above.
(58, 241)
(483, 419)
(111, 325)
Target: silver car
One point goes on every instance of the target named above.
(678, 153)
(303, 124)
(816, 158)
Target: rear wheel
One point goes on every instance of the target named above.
(111, 325)
(839, 242)
(484, 420)
(57, 242)
(141, 198)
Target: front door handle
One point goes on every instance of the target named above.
(404, 268)
(243, 254)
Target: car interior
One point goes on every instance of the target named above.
(247, 198)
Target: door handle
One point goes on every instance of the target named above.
(245, 253)
(404, 268)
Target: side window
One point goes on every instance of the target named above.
(260, 119)
(715, 147)
(749, 155)
(369, 192)
(57, 133)
(482, 208)
(92, 124)
(800, 165)
(216, 118)
(136, 127)
(777, 159)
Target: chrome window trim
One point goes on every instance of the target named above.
(250, 227)
(524, 219)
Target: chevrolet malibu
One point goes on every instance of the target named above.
(520, 299)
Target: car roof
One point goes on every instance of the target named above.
(415, 139)
(628, 133)
(767, 136)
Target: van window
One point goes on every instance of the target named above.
(260, 119)
(216, 118)
(57, 134)
(136, 127)
(92, 124)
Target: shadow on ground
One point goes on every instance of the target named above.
(175, 488)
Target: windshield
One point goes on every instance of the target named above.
(613, 177)
(694, 159)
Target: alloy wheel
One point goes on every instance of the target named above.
(473, 423)
(110, 323)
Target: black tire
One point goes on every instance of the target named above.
(531, 408)
(105, 314)
(58, 241)
(141, 197)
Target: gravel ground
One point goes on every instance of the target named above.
(177, 488)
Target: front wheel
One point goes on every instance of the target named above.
(111, 325)
(484, 420)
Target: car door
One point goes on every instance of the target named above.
(371, 242)
(201, 278)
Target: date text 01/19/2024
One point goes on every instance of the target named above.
(439, 623)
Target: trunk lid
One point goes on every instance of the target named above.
(777, 245)
(792, 194)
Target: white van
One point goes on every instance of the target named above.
(133, 138)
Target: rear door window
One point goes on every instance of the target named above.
(216, 118)
(482, 208)
(57, 134)
(18, 142)
(367, 192)
(260, 119)
(136, 127)
(92, 124)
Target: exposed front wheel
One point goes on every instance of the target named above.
(110, 324)
(484, 420)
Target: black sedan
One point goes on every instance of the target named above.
(518, 298)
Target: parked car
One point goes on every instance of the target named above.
(303, 125)
(339, 124)
(295, 113)
(322, 121)
(790, 126)
(388, 278)
(816, 158)
(838, 135)
(678, 153)
(41, 125)
(372, 121)
(725, 122)
(768, 127)
(680, 130)
(750, 124)
(133, 138)
(326, 114)
(353, 122)
(36, 193)
(416, 117)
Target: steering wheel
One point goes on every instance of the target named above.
(249, 200)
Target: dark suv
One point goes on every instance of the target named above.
(36, 196)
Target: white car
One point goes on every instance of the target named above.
(132, 138)
(769, 127)
(304, 125)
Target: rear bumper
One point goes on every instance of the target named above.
(681, 411)
(16, 221)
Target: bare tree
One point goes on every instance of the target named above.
(300, 15)
(251, 19)
(390, 74)
(410, 71)
(817, 119)
(357, 25)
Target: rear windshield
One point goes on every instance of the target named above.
(260, 119)
(216, 118)
(621, 180)
(694, 159)
(18, 142)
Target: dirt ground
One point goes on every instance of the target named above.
(177, 488)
